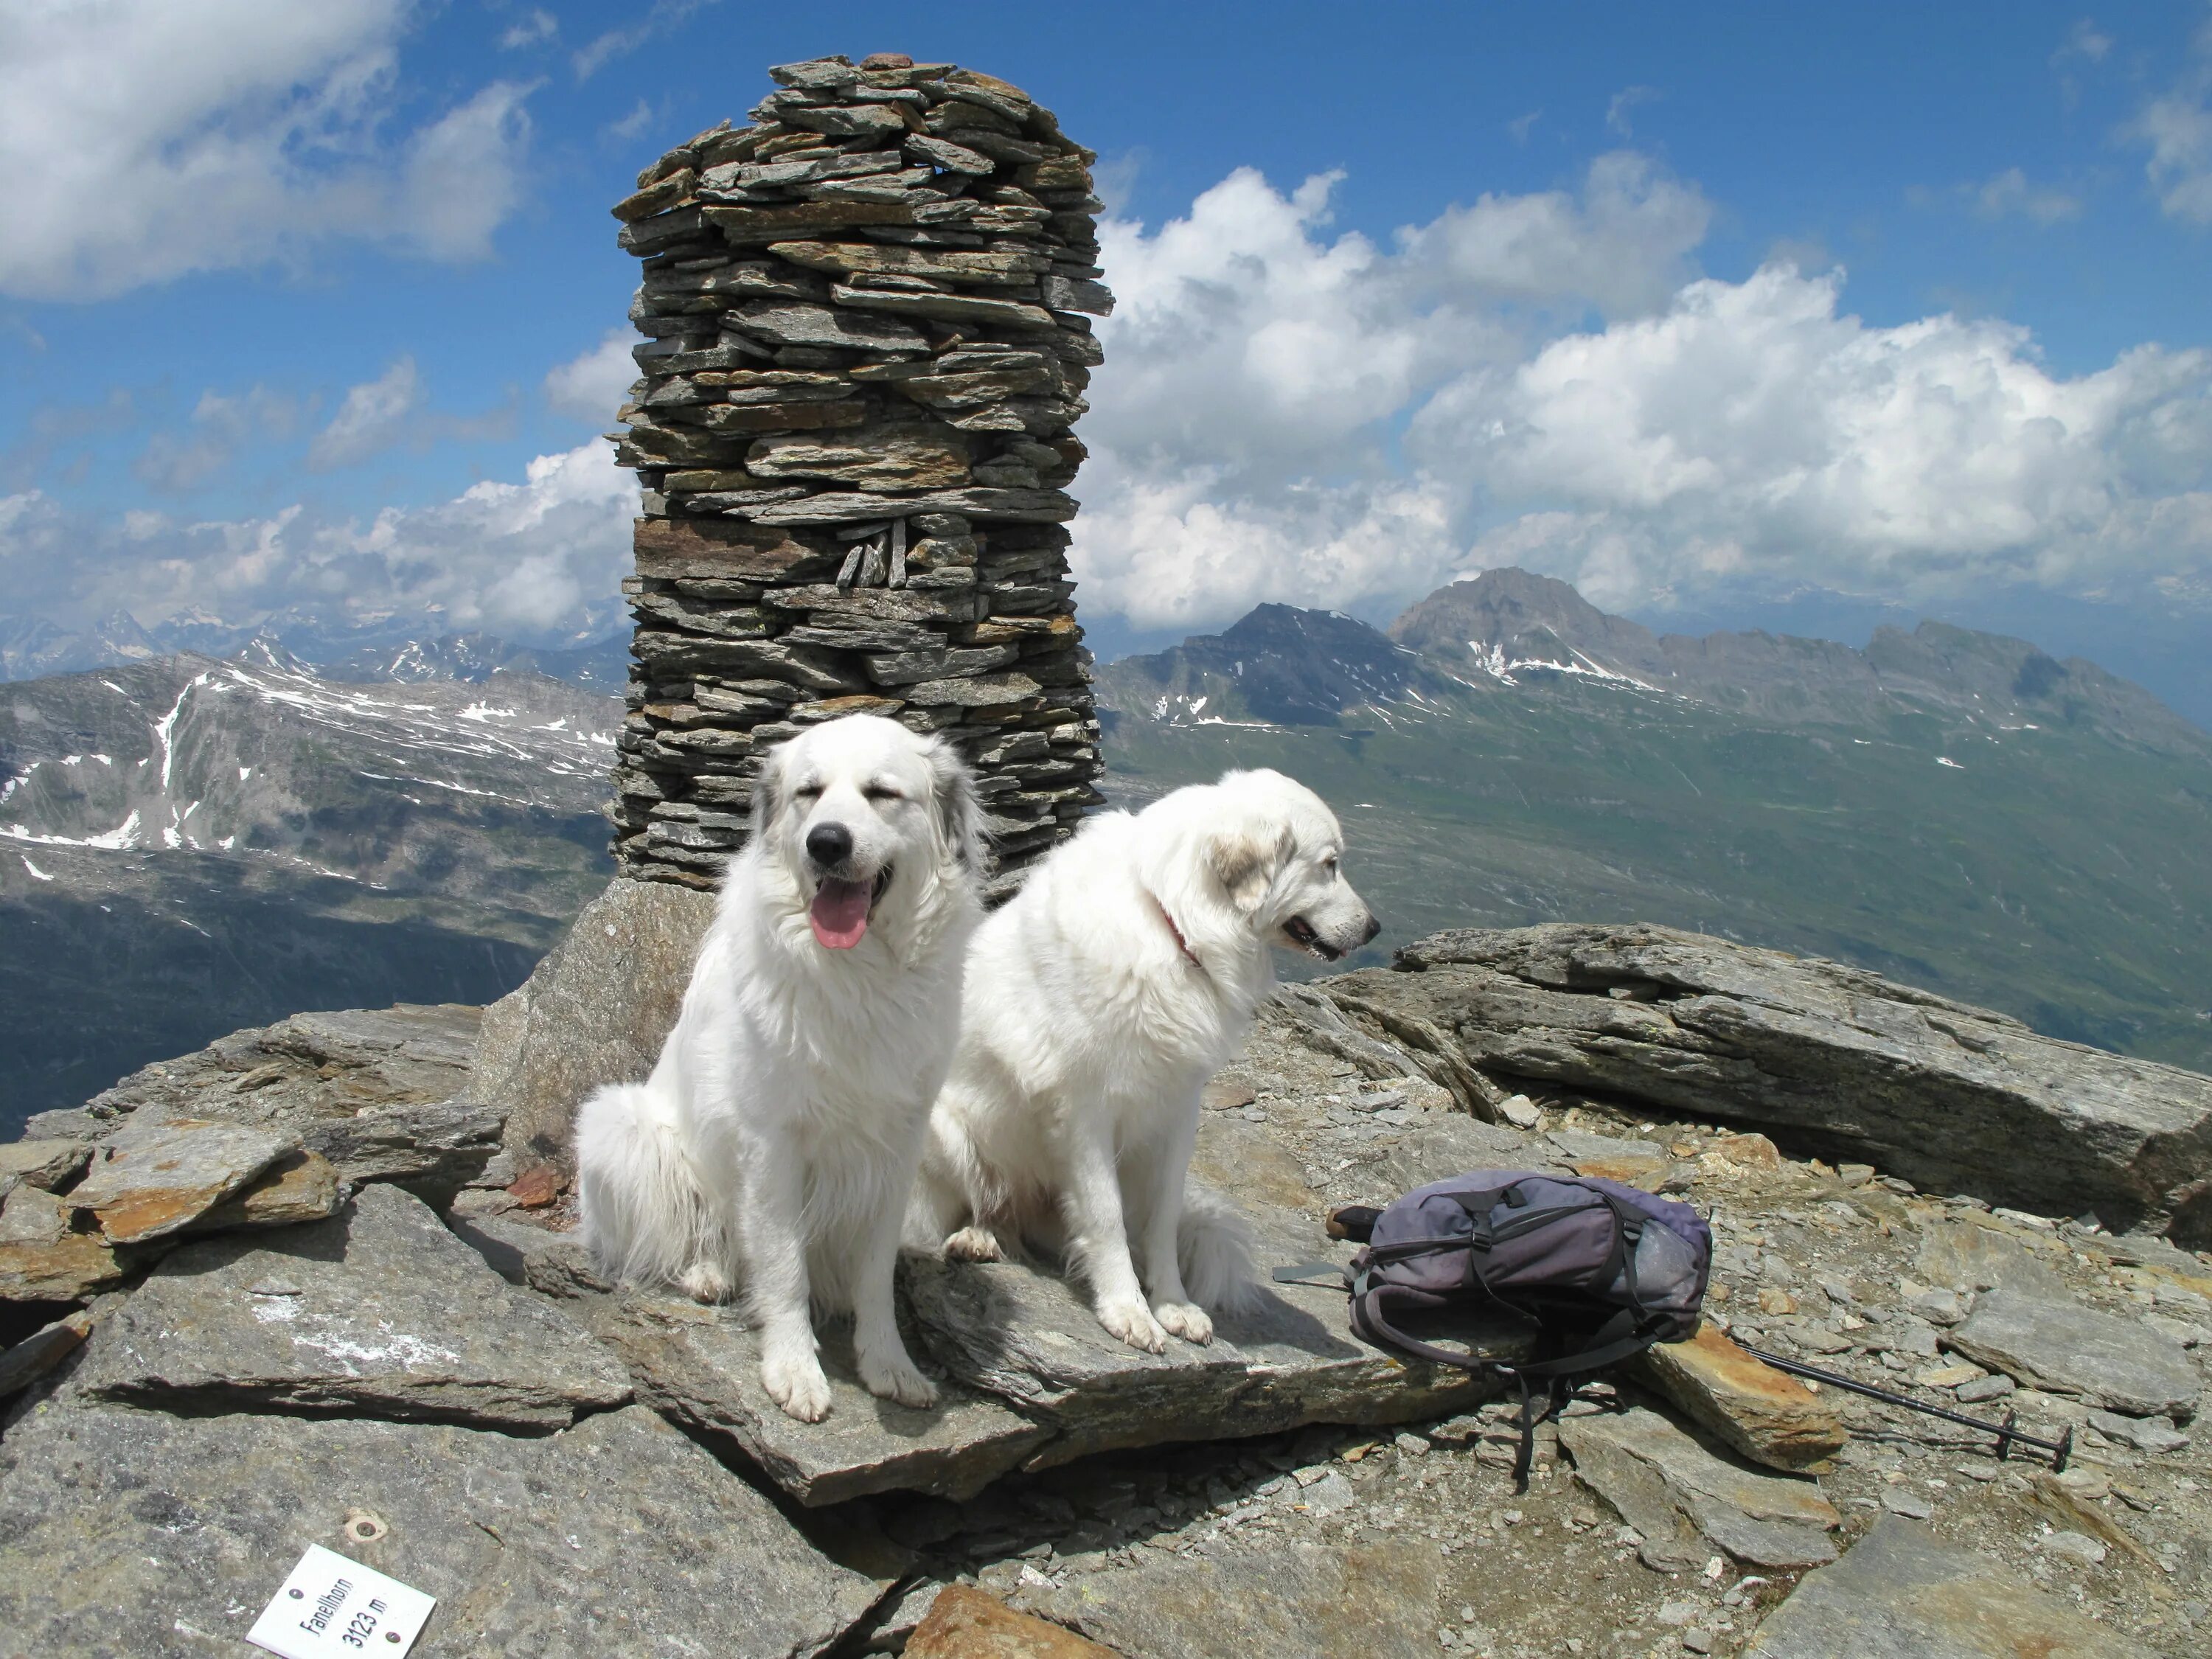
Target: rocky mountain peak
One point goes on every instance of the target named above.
(1508, 617)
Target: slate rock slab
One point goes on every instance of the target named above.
(1963, 1251)
(1855, 1065)
(1902, 1593)
(154, 1177)
(380, 1311)
(1296, 1601)
(131, 1532)
(703, 1365)
(382, 1093)
(1768, 1520)
(2056, 1343)
(1767, 1415)
(1020, 1331)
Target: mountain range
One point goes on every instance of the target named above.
(32, 648)
(189, 844)
(1958, 809)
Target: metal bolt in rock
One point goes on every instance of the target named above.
(867, 344)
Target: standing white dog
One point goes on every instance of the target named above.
(1125, 973)
(777, 1136)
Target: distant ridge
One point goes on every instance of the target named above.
(1508, 627)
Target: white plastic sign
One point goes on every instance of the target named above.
(333, 1607)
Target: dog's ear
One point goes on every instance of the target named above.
(1246, 860)
(953, 806)
(768, 790)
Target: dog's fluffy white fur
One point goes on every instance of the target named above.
(1121, 977)
(775, 1143)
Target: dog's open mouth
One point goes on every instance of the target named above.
(1302, 930)
(841, 910)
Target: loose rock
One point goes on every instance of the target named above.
(1900, 1593)
(2057, 1344)
(1767, 1415)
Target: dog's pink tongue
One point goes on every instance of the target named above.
(840, 914)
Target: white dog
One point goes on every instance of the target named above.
(777, 1136)
(1121, 977)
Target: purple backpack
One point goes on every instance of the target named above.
(1603, 1270)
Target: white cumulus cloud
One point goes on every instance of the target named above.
(140, 140)
(591, 386)
(1545, 380)
(539, 561)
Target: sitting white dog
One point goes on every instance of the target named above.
(777, 1137)
(1122, 976)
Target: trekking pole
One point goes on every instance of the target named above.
(2060, 1449)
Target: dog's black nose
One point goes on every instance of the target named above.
(1373, 927)
(829, 843)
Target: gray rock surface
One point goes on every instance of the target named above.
(1849, 1062)
(596, 1009)
(702, 1366)
(530, 1253)
(1304, 1601)
(1023, 1334)
(382, 1093)
(2056, 1344)
(140, 1533)
(1902, 1593)
(379, 1312)
(1765, 1519)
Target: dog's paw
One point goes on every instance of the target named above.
(1133, 1323)
(895, 1377)
(1185, 1320)
(973, 1244)
(797, 1385)
(702, 1281)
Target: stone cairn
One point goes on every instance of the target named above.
(867, 347)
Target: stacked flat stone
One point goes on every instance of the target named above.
(868, 343)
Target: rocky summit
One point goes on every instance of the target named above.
(318, 1285)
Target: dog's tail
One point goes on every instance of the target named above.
(1214, 1246)
(640, 1209)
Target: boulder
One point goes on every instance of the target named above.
(142, 1533)
(1902, 1593)
(1847, 1063)
(379, 1312)
(2056, 1343)
(596, 1009)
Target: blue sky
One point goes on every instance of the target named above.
(305, 311)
